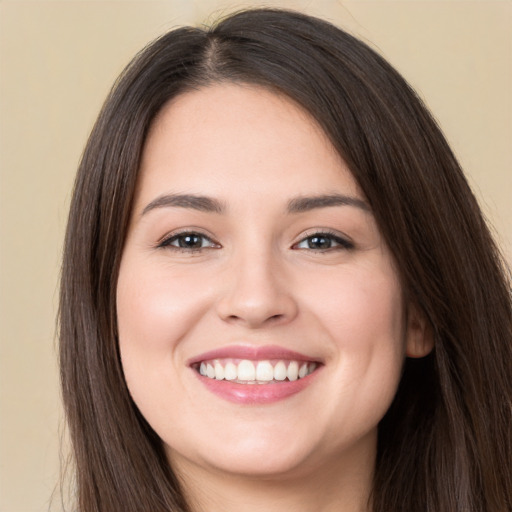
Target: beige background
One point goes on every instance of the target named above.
(57, 62)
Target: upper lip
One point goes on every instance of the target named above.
(252, 352)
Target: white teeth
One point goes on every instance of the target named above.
(280, 371)
(219, 371)
(230, 371)
(246, 370)
(293, 371)
(264, 371)
(252, 372)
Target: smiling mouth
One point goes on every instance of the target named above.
(246, 371)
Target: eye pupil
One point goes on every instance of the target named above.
(319, 242)
(190, 241)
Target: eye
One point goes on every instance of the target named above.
(323, 242)
(188, 241)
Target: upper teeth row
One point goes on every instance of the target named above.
(260, 371)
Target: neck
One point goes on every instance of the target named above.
(329, 487)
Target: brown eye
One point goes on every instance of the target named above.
(188, 241)
(324, 242)
(319, 242)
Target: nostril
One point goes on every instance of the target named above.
(257, 305)
(273, 319)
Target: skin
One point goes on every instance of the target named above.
(258, 281)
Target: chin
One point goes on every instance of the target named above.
(271, 455)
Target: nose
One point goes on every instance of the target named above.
(257, 293)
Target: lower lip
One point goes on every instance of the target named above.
(256, 393)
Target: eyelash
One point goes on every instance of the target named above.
(341, 243)
(167, 242)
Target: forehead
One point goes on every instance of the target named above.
(239, 138)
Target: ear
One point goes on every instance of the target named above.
(419, 336)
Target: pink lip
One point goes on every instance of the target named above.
(254, 393)
(252, 353)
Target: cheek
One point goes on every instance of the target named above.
(156, 309)
(364, 319)
(373, 332)
(362, 309)
(155, 312)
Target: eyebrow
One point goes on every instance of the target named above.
(304, 204)
(195, 202)
(211, 205)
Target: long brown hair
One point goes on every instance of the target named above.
(445, 445)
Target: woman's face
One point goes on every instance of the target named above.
(253, 258)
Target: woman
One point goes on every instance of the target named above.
(278, 289)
